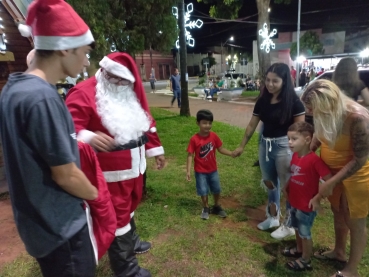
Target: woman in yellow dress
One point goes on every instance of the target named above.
(342, 129)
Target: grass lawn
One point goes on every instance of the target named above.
(183, 244)
(250, 93)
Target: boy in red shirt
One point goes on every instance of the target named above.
(302, 191)
(203, 146)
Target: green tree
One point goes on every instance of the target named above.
(128, 25)
(309, 45)
(210, 60)
(230, 8)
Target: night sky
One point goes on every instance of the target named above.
(338, 15)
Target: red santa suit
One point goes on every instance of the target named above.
(122, 169)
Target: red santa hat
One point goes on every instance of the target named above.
(124, 66)
(54, 25)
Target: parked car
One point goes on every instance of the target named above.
(328, 75)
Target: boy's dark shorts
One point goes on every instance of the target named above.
(206, 182)
(302, 222)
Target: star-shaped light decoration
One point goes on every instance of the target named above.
(188, 24)
(267, 42)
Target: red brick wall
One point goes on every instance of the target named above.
(163, 65)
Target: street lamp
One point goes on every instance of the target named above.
(221, 55)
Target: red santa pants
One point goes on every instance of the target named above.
(125, 195)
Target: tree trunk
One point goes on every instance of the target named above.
(185, 106)
(264, 58)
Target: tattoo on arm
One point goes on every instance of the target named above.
(360, 145)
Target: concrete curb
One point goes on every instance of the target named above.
(169, 93)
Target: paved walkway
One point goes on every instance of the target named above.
(237, 114)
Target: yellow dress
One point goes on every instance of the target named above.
(356, 187)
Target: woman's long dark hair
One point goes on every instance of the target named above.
(287, 96)
(346, 77)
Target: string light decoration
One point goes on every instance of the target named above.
(188, 24)
(267, 42)
(3, 40)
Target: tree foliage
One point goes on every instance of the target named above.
(309, 45)
(129, 25)
(230, 8)
(211, 61)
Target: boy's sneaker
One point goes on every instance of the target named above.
(218, 211)
(268, 223)
(205, 213)
(283, 232)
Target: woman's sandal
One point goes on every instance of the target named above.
(299, 265)
(320, 256)
(291, 252)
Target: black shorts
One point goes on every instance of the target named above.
(75, 258)
(152, 85)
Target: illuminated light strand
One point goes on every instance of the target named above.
(267, 42)
(188, 24)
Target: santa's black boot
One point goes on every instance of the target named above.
(123, 260)
(140, 246)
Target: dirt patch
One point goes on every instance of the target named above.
(230, 202)
(255, 215)
(11, 245)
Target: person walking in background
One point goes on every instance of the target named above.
(293, 75)
(46, 186)
(278, 107)
(312, 74)
(302, 191)
(175, 87)
(346, 77)
(152, 82)
(341, 132)
(303, 78)
(203, 146)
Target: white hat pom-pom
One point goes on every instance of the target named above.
(25, 30)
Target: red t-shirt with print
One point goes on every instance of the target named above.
(204, 149)
(304, 182)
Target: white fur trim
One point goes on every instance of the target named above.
(117, 69)
(121, 175)
(153, 152)
(63, 43)
(143, 160)
(86, 136)
(25, 30)
(153, 130)
(123, 230)
(91, 231)
(132, 214)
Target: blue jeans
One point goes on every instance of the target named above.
(211, 91)
(177, 94)
(206, 181)
(302, 222)
(275, 157)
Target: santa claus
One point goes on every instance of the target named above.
(111, 113)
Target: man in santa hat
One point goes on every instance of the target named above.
(111, 113)
(46, 185)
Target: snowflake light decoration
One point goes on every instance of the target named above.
(188, 24)
(267, 42)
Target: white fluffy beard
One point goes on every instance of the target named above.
(121, 113)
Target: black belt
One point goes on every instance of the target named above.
(133, 143)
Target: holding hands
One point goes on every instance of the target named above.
(237, 152)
